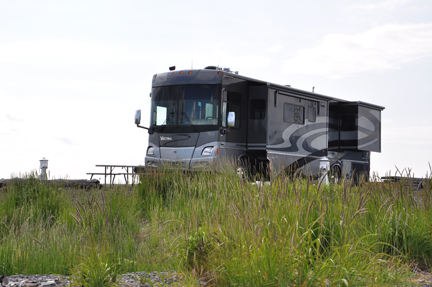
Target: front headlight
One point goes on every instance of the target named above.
(151, 164)
(207, 151)
(150, 150)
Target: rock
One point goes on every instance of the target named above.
(134, 279)
(79, 183)
(48, 284)
(3, 280)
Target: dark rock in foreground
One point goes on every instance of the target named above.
(129, 280)
(74, 183)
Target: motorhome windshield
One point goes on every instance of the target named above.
(195, 106)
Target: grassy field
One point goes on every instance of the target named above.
(216, 227)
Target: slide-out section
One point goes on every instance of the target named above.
(355, 126)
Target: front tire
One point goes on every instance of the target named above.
(242, 169)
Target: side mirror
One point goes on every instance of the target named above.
(138, 121)
(231, 119)
(138, 117)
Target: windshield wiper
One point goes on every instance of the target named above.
(183, 114)
(189, 120)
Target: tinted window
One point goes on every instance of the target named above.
(257, 109)
(234, 105)
(187, 105)
(293, 114)
(348, 122)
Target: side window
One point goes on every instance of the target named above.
(209, 111)
(257, 109)
(257, 116)
(312, 112)
(234, 105)
(348, 122)
(161, 115)
(293, 114)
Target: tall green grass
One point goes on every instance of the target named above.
(219, 228)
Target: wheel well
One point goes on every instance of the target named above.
(336, 165)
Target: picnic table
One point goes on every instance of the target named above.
(128, 172)
(415, 182)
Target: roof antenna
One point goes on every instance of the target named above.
(313, 89)
(221, 55)
(192, 64)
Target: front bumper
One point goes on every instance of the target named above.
(205, 163)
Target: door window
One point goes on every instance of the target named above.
(234, 105)
(257, 109)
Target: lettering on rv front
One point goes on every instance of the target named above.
(166, 138)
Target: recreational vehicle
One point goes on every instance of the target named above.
(201, 116)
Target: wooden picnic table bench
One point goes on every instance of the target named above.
(109, 171)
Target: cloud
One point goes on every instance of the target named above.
(65, 140)
(386, 4)
(6, 133)
(275, 49)
(413, 135)
(379, 49)
(244, 61)
(67, 52)
(11, 118)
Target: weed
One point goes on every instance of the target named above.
(293, 232)
(198, 248)
(96, 269)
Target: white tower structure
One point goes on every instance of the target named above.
(43, 167)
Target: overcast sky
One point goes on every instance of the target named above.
(72, 73)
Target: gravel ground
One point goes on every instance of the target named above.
(129, 279)
(144, 279)
(422, 278)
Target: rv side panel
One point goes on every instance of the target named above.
(297, 130)
(354, 126)
(369, 126)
